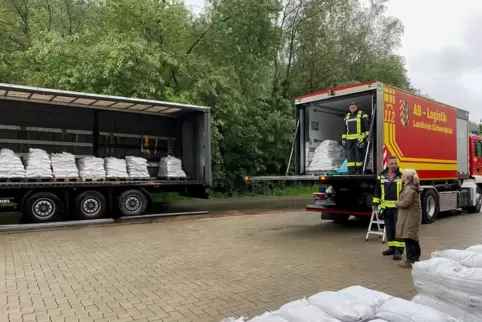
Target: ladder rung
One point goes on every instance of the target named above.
(377, 222)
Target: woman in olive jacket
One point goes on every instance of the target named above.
(410, 217)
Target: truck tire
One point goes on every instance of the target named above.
(43, 207)
(132, 203)
(90, 205)
(430, 206)
(478, 203)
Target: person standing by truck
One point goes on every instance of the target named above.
(410, 217)
(354, 138)
(385, 197)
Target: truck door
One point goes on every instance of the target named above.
(477, 158)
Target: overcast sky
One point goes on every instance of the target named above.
(442, 45)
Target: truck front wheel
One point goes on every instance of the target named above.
(43, 207)
(430, 206)
(90, 205)
(478, 202)
(132, 203)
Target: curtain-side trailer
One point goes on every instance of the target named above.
(425, 135)
(102, 126)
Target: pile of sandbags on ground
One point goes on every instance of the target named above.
(451, 282)
(11, 166)
(63, 165)
(38, 164)
(352, 304)
(171, 167)
(91, 168)
(115, 168)
(137, 167)
(328, 156)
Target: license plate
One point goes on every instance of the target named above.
(324, 202)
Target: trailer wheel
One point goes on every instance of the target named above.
(478, 203)
(43, 207)
(132, 203)
(430, 206)
(90, 205)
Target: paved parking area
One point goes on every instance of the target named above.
(199, 270)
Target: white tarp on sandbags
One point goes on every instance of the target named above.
(10, 165)
(38, 164)
(329, 156)
(63, 165)
(91, 168)
(475, 249)
(447, 308)
(115, 168)
(137, 167)
(341, 307)
(463, 257)
(303, 311)
(171, 167)
(400, 310)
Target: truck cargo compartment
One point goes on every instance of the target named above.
(58, 124)
(324, 120)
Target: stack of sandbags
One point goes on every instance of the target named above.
(137, 168)
(91, 168)
(352, 304)
(171, 167)
(63, 165)
(11, 166)
(38, 164)
(328, 156)
(451, 282)
(115, 168)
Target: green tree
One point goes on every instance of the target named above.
(246, 59)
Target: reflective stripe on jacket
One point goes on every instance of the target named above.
(356, 126)
(387, 192)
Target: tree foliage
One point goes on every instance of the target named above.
(247, 59)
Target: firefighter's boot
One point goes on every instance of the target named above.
(406, 264)
(388, 252)
(397, 255)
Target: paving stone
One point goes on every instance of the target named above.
(200, 270)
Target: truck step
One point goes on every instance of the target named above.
(74, 179)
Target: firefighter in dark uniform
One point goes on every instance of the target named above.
(354, 138)
(387, 192)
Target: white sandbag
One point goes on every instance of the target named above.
(91, 168)
(11, 166)
(241, 319)
(475, 249)
(302, 311)
(171, 167)
(268, 317)
(447, 308)
(365, 296)
(63, 165)
(115, 168)
(137, 167)
(329, 156)
(378, 320)
(447, 279)
(400, 310)
(342, 307)
(463, 257)
(38, 164)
